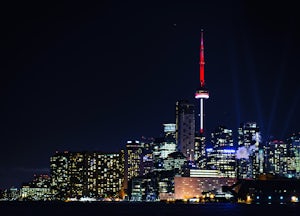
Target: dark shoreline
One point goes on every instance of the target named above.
(57, 208)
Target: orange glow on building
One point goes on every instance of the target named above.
(190, 187)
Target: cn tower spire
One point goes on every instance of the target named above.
(202, 82)
(202, 92)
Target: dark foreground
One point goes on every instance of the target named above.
(144, 209)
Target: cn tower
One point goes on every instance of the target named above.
(202, 92)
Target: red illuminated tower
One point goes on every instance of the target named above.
(202, 92)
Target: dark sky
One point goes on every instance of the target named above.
(90, 76)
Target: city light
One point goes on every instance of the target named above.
(176, 166)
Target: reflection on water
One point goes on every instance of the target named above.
(144, 209)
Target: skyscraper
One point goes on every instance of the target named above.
(60, 178)
(200, 150)
(277, 157)
(185, 128)
(110, 174)
(87, 174)
(294, 144)
(248, 164)
(77, 173)
(222, 154)
(133, 160)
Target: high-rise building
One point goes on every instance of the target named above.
(161, 149)
(174, 162)
(222, 154)
(133, 160)
(222, 137)
(282, 157)
(277, 158)
(60, 177)
(247, 155)
(200, 150)
(152, 185)
(147, 163)
(294, 144)
(92, 174)
(110, 174)
(87, 174)
(185, 128)
(77, 172)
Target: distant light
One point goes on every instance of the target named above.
(229, 150)
(294, 199)
(169, 127)
(209, 149)
(133, 141)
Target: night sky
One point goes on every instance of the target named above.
(90, 76)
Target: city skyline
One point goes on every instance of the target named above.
(91, 77)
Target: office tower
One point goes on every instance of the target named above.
(147, 163)
(151, 186)
(162, 148)
(165, 148)
(110, 174)
(92, 174)
(200, 150)
(76, 175)
(222, 137)
(222, 154)
(185, 128)
(59, 172)
(133, 160)
(294, 144)
(247, 155)
(277, 158)
(174, 162)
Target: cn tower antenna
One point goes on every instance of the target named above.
(202, 82)
(202, 93)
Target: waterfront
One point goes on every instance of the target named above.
(143, 209)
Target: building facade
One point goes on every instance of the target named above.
(248, 158)
(75, 175)
(222, 154)
(195, 187)
(133, 160)
(185, 128)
